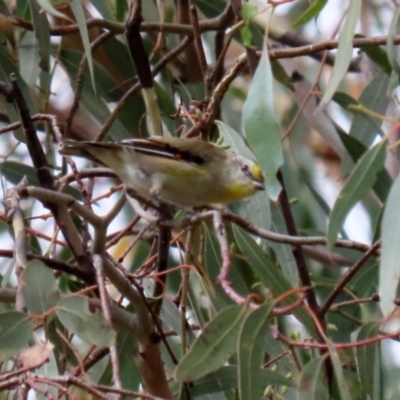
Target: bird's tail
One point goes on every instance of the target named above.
(98, 152)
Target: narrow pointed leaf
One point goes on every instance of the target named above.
(283, 251)
(365, 356)
(365, 127)
(214, 346)
(255, 209)
(357, 186)
(345, 50)
(389, 269)
(77, 9)
(311, 382)
(261, 126)
(14, 171)
(250, 352)
(311, 12)
(269, 274)
(391, 47)
(338, 370)
(42, 34)
(48, 7)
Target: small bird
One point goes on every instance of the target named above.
(179, 171)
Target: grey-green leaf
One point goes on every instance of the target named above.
(357, 186)
(77, 9)
(40, 289)
(214, 346)
(48, 7)
(311, 383)
(344, 52)
(73, 312)
(16, 330)
(255, 209)
(364, 126)
(391, 47)
(250, 352)
(389, 269)
(338, 370)
(365, 356)
(261, 125)
(269, 274)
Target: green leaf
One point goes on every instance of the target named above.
(255, 209)
(49, 368)
(121, 8)
(126, 346)
(214, 346)
(311, 383)
(93, 100)
(261, 126)
(29, 58)
(73, 312)
(105, 8)
(245, 33)
(357, 186)
(365, 356)
(42, 32)
(391, 47)
(312, 12)
(7, 67)
(40, 289)
(77, 9)
(338, 370)
(344, 52)
(16, 330)
(248, 11)
(47, 6)
(14, 171)
(379, 56)
(250, 352)
(389, 269)
(226, 378)
(283, 251)
(356, 149)
(365, 127)
(270, 275)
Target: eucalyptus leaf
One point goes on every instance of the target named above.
(344, 52)
(255, 209)
(389, 269)
(250, 354)
(365, 356)
(357, 186)
(215, 344)
(261, 125)
(16, 330)
(311, 12)
(73, 312)
(311, 384)
(40, 289)
(78, 11)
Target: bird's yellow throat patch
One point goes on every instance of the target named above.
(235, 192)
(256, 173)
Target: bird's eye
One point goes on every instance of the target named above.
(245, 168)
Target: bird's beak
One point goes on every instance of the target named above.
(259, 185)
